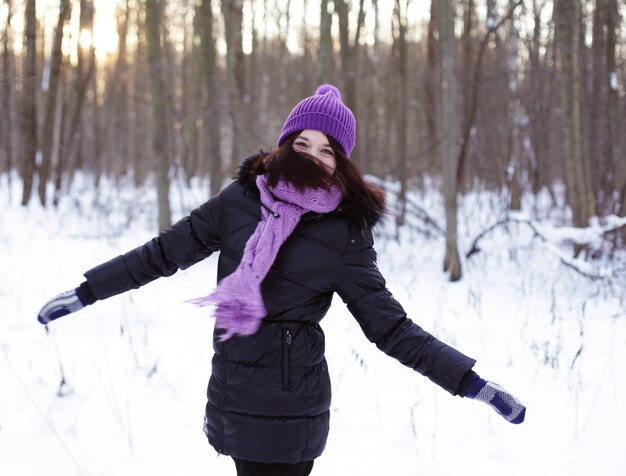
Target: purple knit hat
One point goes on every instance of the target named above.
(323, 112)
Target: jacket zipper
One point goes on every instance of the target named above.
(287, 341)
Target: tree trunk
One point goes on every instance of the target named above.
(141, 125)
(539, 108)
(255, 65)
(87, 87)
(283, 78)
(8, 86)
(579, 191)
(159, 111)
(466, 78)
(50, 122)
(349, 54)
(172, 111)
(29, 102)
(431, 84)
(71, 136)
(326, 43)
(342, 9)
(403, 117)
(374, 113)
(211, 119)
(121, 124)
(266, 126)
(115, 111)
(514, 118)
(232, 11)
(616, 140)
(449, 135)
(348, 51)
(599, 125)
(191, 92)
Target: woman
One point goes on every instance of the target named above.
(294, 228)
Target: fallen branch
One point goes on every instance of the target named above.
(580, 236)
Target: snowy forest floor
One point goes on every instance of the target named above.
(136, 365)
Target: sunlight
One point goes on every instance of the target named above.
(85, 38)
(105, 39)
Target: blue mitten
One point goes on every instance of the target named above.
(505, 404)
(61, 305)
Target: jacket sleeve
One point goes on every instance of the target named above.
(188, 241)
(385, 323)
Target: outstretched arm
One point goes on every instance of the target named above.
(188, 241)
(385, 323)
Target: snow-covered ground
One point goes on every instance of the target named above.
(136, 366)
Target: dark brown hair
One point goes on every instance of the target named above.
(363, 202)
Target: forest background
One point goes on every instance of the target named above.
(502, 119)
(514, 96)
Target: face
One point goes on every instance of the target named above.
(315, 143)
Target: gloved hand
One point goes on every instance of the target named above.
(61, 305)
(505, 404)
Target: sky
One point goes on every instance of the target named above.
(136, 366)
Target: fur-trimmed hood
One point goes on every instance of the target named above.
(359, 216)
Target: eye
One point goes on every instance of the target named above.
(300, 144)
(328, 152)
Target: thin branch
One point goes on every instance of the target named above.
(469, 123)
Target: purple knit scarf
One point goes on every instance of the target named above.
(240, 307)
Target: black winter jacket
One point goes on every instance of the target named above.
(269, 394)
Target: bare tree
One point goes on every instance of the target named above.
(466, 75)
(616, 139)
(71, 138)
(449, 135)
(326, 43)
(599, 131)
(284, 90)
(29, 101)
(159, 110)
(348, 49)
(431, 82)
(514, 156)
(520, 113)
(579, 189)
(373, 114)
(264, 78)
(342, 9)
(50, 121)
(254, 68)
(115, 120)
(141, 127)
(403, 80)
(190, 91)
(84, 97)
(473, 99)
(211, 118)
(232, 11)
(537, 99)
(172, 92)
(8, 82)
